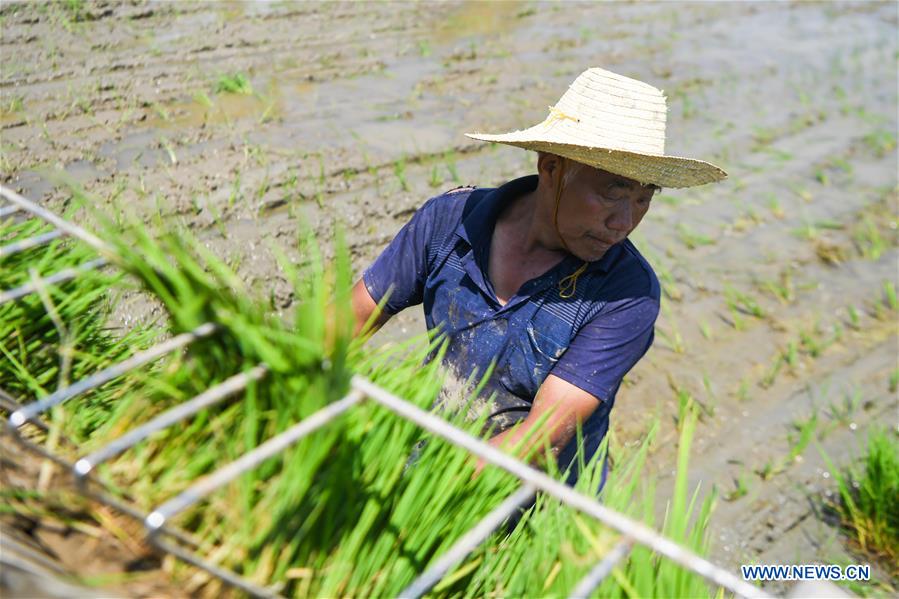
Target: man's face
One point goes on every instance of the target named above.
(599, 209)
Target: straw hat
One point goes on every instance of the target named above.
(616, 124)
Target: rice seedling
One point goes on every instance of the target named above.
(567, 545)
(811, 230)
(889, 291)
(779, 155)
(203, 99)
(6, 164)
(449, 159)
(169, 149)
(666, 278)
(688, 107)
(843, 411)
(269, 111)
(802, 192)
(763, 136)
(880, 142)
(685, 406)
(668, 200)
(688, 404)
(235, 195)
(886, 303)
(782, 288)
(775, 207)
(894, 380)
(745, 220)
(869, 497)
(399, 169)
(263, 188)
(790, 355)
(670, 333)
(843, 165)
(691, 238)
(741, 489)
(837, 334)
(161, 112)
(71, 14)
(84, 105)
(804, 432)
(14, 103)
(743, 389)
(738, 301)
(854, 318)
(771, 374)
(434, 179)
(736, 319)
(217, 219)
(672, 338)
(234, 83)
(874, 588)
(356, 509)
(868, 240)
(59, 335)
(710, 392)
(812, 341)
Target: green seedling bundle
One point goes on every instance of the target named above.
(58, 335)
(358, 508)
(868, 503)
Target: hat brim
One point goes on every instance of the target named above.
(664, 171)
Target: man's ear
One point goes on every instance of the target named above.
(548, 168)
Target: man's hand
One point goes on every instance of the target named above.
(561, 406)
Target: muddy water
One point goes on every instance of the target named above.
(774, 280)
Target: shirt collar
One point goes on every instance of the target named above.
(477, 228)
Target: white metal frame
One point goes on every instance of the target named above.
(157, 522)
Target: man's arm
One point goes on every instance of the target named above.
(599, 356)
(397, 277)
(562, 405)
(366, 310)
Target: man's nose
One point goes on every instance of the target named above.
(621, 217)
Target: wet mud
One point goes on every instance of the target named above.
(776, 305)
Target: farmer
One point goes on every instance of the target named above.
(537, 278)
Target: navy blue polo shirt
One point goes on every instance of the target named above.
(591, 339)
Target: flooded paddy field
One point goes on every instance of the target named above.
(248, 122)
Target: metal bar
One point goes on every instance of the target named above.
(8, 403)
(58, 222)
(249, 460)
(19, 417)
(62, 276)
(227, 576)
(640, 532)
(184, 410)
(12, 546)
(101, 495)
(9, 211)
(597, 573)
(467, 543)
(25, 244)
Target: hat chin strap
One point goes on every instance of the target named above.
(559, 188)
(567, 285)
